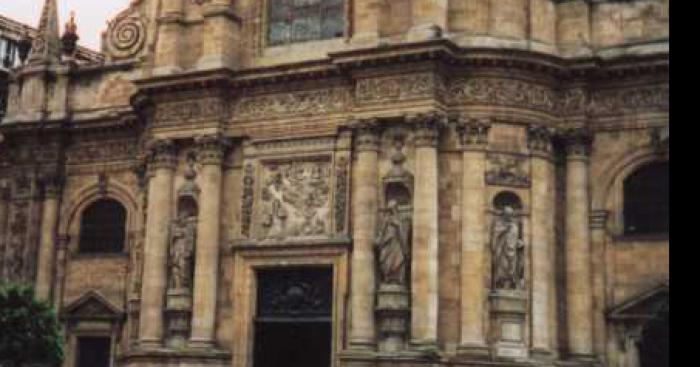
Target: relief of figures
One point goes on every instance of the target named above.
(508, 251)
(393, 246)
(183, 238)
(295, 200)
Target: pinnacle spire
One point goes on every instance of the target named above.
(46, 47)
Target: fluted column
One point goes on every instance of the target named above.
(598, 222)
(49, 222)
(365, 197)
(473, 292)
(424, 261)
(578, 247)
(542, 232)
(160, 191)
(206, 272)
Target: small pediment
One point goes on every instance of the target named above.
(645, 305)
(92, 305)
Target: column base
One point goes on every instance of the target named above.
(474, 351)
(424, 32)
(361, 345)
(201, 344)
(147, 344)
(542, 354)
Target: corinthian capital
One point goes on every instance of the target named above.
(211, 149)
(427, 128)
(161, 154)
(366, 135)
(539, 139)
(52, 184)
(578, 142)
(474, 133)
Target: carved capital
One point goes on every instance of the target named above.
(162, 154)
(211, 149)
(474, 133)
(539, 139)
(598, 219)
(366, 135)
(427, 128)
(578, 142)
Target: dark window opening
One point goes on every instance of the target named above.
(507, 198)
(646, 206)
(292, 21)
(654, 346)
(94, 351)
(103, 227)
(293, 318)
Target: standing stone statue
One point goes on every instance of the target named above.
(508, 251)
(181, 251)
(392, 246)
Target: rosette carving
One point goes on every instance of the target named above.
(126, 36)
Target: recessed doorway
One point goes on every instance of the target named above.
(293, 320)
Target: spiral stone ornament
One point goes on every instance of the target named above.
(127, 36)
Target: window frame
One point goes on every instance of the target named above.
(81, 251)
(266, 21)
(625, 216)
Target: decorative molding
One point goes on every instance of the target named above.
(427, 128)
(101, 151)
(126, 35)
(507, 170)
(399, 88)
(162, 154)
(629, 100)
(501, 92)
(539, 139)
(366, 135)
(598, 219)
(178, 112)
(578, 142)
(316, 102)
(211, 149)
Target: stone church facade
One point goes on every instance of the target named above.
(346, 183)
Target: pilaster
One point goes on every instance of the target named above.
(45, 265)
(222, 30)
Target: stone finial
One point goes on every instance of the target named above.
(69, 39)
(46, 47)
(474, 132)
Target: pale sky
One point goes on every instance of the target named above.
(91, 15)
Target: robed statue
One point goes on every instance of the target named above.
(183, 237)
(508, 250)
(393, 246)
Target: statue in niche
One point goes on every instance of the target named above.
(393, 246)
(508, 251)
(182, 244)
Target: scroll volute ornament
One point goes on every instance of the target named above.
(578, 142)
(161, 154)
(211, 149)
(427, 128)
(474, 132)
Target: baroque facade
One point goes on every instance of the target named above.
(346, 183)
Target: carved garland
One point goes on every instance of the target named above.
(341, 189)
(247, 200)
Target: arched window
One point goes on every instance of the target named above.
(292, 21)
(103, 227)
(507, 198)
(645, 203)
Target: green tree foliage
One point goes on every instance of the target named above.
(29, 329)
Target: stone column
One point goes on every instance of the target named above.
(160, 190)
(47, 244)
(473, 289)
(542, 229)
(221, 25)
(429, 19)
(598, 222)
(206, 272)
(424, 255)
(579, 294)
(61, 249)
(366, 20)
(365, 197)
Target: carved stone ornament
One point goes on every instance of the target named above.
(366, 135)
(206, 109)
(189, 188)
(539, 139)
(162, 154)
(393, 245)
(507, 251)
(474, 132)
(316, 102)
(182, 243)
(427, 128)
(578, 142)
(126, 35)
(507, 170)
(247, 199)
(295, 199)
(211, 149)
(341, 194)
(396, 88)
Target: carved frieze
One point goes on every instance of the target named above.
(205, 109)
(507, 170)
(620, 101)
(293, 103)
(101, 151)
(398, 88)
(295, 199)
(501, 92)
